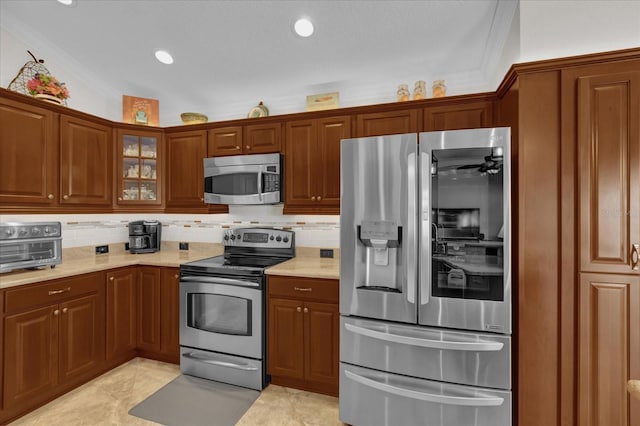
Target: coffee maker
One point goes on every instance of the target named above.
(144, 236)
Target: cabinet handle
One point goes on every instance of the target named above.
(635, 248)
(306, 310)
(112, 278)
(309, 289)
(313, 198)
(248, 146)
(66, 197)
(50, 196)
(299, 309)
(319, 198)
(56, 312)
(64, 310)
(64, 290)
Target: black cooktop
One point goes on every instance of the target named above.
(236, 265)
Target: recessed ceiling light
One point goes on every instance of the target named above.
(66, 2)
(303, 27)
(164, 57)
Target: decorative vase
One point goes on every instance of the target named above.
(403, 93)
(48, 98)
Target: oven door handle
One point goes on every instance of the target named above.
(243, 367)
(219, 280)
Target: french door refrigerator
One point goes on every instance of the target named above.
(425, 281)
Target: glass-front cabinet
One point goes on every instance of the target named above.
(139, 167)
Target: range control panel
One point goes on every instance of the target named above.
(258, 237)
(29, 230)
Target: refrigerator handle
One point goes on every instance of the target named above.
(412, 263)
(482, 401)
(425, 225)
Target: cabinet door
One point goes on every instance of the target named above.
(262, 138)
(285, 338)
(82, 337)
(31, 355)
(330, 132)
(321, 343)
(85, 162)
(300, 163)
(170, 309)
(185, 170)
(121, 313)
(608, 126)
(224, 141)
(608, 349)
(149, 309)
(387, 123)
(29, 160)
(461, 116)
(139, 168)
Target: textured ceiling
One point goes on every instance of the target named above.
(231, 54)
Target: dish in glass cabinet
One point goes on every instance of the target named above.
(258, 111)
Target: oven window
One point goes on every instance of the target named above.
(19, 252)
(232, 184)
(218, 313)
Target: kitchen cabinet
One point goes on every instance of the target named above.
(469, 115)
(312, 164)
(250, 139)
(54, 338)
(225, 141)
(303, 333)
(139, 166)
(148, 288)
(170, 314)
(121, 304)
(185, 171)
(29, 160)
(387, 123)
(85, 162)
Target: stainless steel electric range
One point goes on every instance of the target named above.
(223, 307)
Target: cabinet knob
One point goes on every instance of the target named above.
(299, 309)
(238, 147)
(56, 312)
(64, 310)
(50, 196)
(306, 310)
(313, 198)
(119, 198)
(202, 199)
(66, 197)
(319, 198)
(248, 146)
(176, 276)
(111, 278)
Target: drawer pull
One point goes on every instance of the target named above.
(308, 289)
(64, 290)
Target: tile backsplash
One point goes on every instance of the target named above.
(97, 229)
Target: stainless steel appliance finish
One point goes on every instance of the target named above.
(244, 179)
(30, 245)
(425, 284)
(145, 236)
(222, 307)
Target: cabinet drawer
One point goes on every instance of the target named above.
(51, 292)
(303, 288)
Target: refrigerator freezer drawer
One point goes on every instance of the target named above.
(372, 398)
(475, 359)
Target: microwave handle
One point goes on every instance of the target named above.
(260, 183)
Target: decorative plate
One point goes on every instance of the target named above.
(258, 111)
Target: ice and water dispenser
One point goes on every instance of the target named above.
(382, 249)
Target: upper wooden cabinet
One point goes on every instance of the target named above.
(387, 123)
(29, 159)
(250, 139)
(459, 116)
(312, 164)
(139, 167)
(608, 131)
(186, 152)
(85, 162)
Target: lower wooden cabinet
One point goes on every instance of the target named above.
(54, 339)
(148, 311)
(170, 314)
(303, 333)
(121, 314)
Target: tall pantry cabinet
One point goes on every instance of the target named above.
(607, 119)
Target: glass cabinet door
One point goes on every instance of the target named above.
(139, 177)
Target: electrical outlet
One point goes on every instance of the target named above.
(126, 246)
(184, 246)
(102, 249)
(326, 253)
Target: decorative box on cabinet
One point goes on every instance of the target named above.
(303, 333)
(139, 172)
(54, 339)
(29, 160)
(312, 164)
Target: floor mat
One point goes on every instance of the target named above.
(192, 401)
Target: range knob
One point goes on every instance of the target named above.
(233, 236)
(47, 230)
(22, 232)
(35, 231)
(271, 238)
(226, 237)
(9, 232)
(278, 238)
(285, 239)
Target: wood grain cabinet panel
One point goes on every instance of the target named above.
(29, 160)
(139, 170)
(460, 116)
(85, 162)
(609, 341)
(170, 313)
(608, 123)
(225, 141)
(149, 288)
(322, 355)
(262, 138)
(387, 123)
(285, 339)
(121, 327)
(185, 169)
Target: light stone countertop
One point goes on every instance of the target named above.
(82, 260)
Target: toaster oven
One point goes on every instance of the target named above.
(30, 245)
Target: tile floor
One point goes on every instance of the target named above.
(107, 399)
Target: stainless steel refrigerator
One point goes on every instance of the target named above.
(425, 281)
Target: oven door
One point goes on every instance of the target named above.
(218, 314)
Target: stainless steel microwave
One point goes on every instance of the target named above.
(244, 179)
